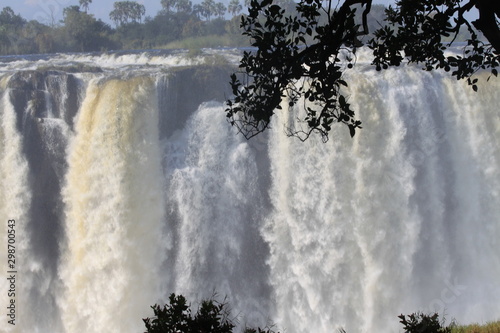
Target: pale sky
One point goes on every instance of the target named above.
(44, 10)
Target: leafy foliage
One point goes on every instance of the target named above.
(87, 33)
(176, 316)
(423, 323)
(214, 317)
(286, 66)
(416, 32)
(302, 57)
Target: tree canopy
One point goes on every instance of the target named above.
(302, 56)
(87, 33)
(178, 24)
(127, 11)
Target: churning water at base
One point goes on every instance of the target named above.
(128, 187)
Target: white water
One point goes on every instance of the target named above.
(404, 217)
(114, 209)
(309, 236)
(14, 198)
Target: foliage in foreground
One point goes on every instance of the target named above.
(213, 316)
(423, 323)
(301, 57)
(177, 317)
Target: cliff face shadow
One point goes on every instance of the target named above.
(45, 104)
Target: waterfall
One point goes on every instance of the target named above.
(392, 221)
(128, 184)
(15, 195)
(114, 199)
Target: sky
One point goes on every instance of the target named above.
(46, 11)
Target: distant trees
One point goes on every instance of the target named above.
(80, 31)
(44, 37)
(180, 6)
(208, 8)
(87, 33)
(234, 7)
(14, 35)
(220, 10)
(127, 12)
(168, 5)
(10, 20)
(184, 6)
(84, 4)
(10, 26)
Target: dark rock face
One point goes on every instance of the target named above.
(45, 104)
(181, 92)
(65, 96)
(35, 94)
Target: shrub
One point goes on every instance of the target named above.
(423, 323)
(212, 317)
(176, 317)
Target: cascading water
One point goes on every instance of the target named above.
(15, 195)
(392, 221)
(113, 198)
(127, 184)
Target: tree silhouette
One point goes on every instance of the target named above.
(302, 57)
(176, 317)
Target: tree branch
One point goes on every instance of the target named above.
(487, 23)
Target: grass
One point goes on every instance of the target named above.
(493, 327)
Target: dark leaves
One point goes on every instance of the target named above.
(212, 316)
(299, 59)
(285, 68)
(416, 29)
